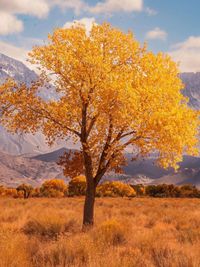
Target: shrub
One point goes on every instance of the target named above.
(189, 190)
(2, 190)
(26, 189)
(139, 189)
(53, 188)
(109, 233)
(115, 189)
(11, 192)
(162, 190)
(77, 186)
(36, 192)
(75, 251)
(13, 250)
(49, 226)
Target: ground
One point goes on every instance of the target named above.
(139, 232)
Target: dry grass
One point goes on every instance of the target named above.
(128, 233)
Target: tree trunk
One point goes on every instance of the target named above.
(88, 215)
(24, 194)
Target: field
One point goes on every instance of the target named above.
(140, 232)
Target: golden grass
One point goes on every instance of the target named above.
(128, 233)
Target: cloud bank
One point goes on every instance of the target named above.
(11, 9)
(187, 53)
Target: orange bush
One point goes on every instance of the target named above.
(53, 188)
(115, 189)
(77, 186)
(11, 192)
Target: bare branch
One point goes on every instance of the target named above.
(127, 134)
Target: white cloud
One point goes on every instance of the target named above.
(87, 22)
(9, 9)
(38, 8)
(19, 53)
(41, 8)
(77, 6)
(156, 34)
(103, 6)
(9, 24)
(10, 50)
(111, 6)
(187, 54)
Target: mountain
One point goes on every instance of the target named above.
(11, 68)
(146, 172)
(34, 170)
(192, 88)
(51, 156)
(20, 169)
(21, 144)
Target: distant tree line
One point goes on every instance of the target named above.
(77, 187)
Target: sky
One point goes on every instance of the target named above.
(170, 26)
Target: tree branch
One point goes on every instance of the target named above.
(104, 152)
(93, 120)
(49, 117)
(127, 134)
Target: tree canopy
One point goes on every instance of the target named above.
(111, 88)
(113, 94)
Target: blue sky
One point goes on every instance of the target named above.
(171, 26)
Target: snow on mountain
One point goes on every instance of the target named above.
(11, 68)
(192, 88)
(21, 144)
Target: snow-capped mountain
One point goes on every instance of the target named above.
(11, 68)
(20, 144)
(192, 88)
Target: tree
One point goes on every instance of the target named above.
(189, 190)
(77, 186)
(112, 94)
(72, 163)
(53, 188)
(139, 189)
(115, 189)
(26, 189)
(163, 190)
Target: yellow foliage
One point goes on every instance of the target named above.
(139, 189)
(113, 94)
(77, 186)
(53, 188)
(12, 192)
(115, 189)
